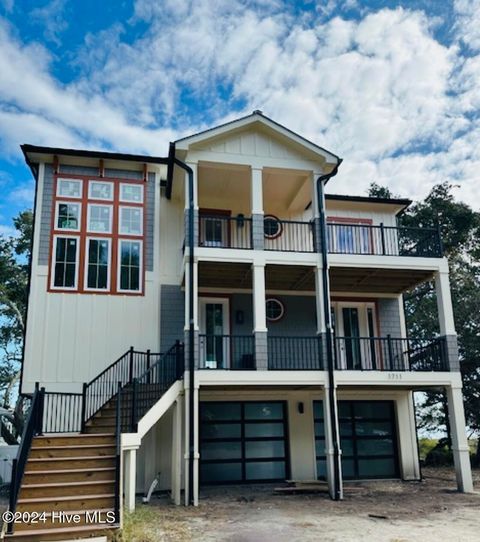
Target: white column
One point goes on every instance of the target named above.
(461, 454)
(256, 191)
(186, 455)
(444, 303)
(321, 324)
(259, 316)
(407, 437)
(195, 296)
(329, 448)
(130, 478)
(196, 453)
(176, 475)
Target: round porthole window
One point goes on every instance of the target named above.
(274, 309)
(272, 227)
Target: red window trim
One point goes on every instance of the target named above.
(82, 235)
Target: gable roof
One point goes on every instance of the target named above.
(257, 117)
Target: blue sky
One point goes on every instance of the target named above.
(391, 86)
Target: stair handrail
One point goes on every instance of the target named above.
(152, 376)
(32, 427)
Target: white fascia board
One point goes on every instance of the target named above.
(412, 379)
(386, 262)
(213, 377)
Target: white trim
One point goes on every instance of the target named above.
(120, 230)
(119, 266)
(91, 182)
(77, 181)
(121, 197)
(109, 264)
(79, 221)
(110, 221)
(53, 261)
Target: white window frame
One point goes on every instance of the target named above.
(121, 197)
(57, 212)
(119, 266)
(90, 186)
(77, 263)
(110, 225)
(120, 230)
(77, 181)
(109, 263)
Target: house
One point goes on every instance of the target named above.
(213, 317)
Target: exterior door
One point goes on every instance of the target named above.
(355, 325)
(214, 333)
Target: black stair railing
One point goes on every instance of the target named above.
(147, 388)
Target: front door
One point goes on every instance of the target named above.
(214, 333)
(355, 331)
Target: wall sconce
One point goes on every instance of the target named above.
(300, 407)
(239, 317)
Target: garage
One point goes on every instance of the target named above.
(367, 438)
(243, 441)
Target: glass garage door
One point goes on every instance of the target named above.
(243, 442)
(367, 436)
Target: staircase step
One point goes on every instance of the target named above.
(75, 518)
(61, 463)
(95, 429)
(63, 533)
(62, 440)
(69, 475)
(65, 489)
(67, 503)
(73, 450)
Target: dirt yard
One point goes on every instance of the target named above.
(376, 511)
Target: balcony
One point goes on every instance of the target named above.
(224, 231)
(288, 353)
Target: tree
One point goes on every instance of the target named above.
(14, 262)
(460, 229)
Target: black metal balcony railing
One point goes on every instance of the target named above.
(390, 354)
(384, 240)
(235, 352)
(218, 231)
(294, 353)
(288, 235)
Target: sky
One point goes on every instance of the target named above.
(390, 86)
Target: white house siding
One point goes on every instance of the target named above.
(350, 209)
(72, 337)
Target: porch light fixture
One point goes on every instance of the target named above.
(274, 309)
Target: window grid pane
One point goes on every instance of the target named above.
(131, 220)
(68, 216)
(131, 192)
(130, 265)
(97, 275)
(100, 218)
(100, 190)
(69, 188)
(65, 262)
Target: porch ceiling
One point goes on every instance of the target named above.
(376, 280)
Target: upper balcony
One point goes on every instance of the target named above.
(221, 230)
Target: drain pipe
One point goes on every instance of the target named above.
(328, 325)
(191, 320)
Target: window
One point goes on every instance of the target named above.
(131, 219)
(68, 216)
(129, 266)
(132, 193)
(100, 190)
(65, 262)
(98, 263)
(274, 309)
(69, 188)
(272, 227)
(99, 218)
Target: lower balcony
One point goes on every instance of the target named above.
(295, 353)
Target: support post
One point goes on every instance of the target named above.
(130, 478)
(445, 317)
(256, 194)
(177, 452)
(259, 317)
(461, 453)
(331, 457)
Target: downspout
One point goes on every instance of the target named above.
(191, 329)
(328, 328)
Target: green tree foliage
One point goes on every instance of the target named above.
(460, 229)
(14, 258)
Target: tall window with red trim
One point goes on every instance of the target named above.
(97, 243)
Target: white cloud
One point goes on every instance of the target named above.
(51, 17)
(381, 91)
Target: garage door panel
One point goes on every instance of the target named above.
(221, 472)
(265, 470)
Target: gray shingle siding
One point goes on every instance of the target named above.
(47, 196)
(389, 317)
(172, 315)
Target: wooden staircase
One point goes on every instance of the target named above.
(73, 475)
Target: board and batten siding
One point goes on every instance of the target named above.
(73, 337)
